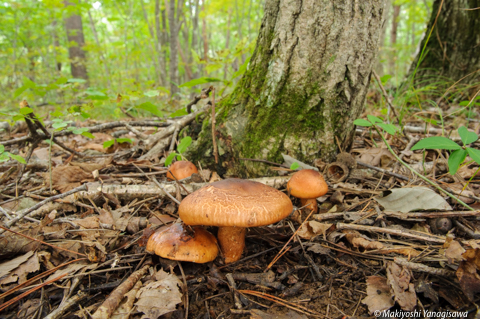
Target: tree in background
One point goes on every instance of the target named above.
(76, 41)
(305, 85)
(451, 49)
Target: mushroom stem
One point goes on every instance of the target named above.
(232, 242)
(310, 203)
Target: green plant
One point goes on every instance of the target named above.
(458, 154)
(375, 122)
(5, 156)
(181, 148)
(109, 143)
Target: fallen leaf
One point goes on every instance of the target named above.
(398, 278)
(312, 229)
(159, 297)
(454, 252)
(467, 273)
(17, 269)
(415, 198)
(358, 240)
(379, 296)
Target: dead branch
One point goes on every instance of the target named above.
(58, 313)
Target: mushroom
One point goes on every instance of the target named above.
(307, 184)
(233, 205)
(176, 243)
(180, 170)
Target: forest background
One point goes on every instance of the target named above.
(115, 57)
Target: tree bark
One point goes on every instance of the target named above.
(452, 51)
(174, 25)
(76, 41)
(393, 38)
(305, 85)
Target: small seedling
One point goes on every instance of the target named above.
(5, 156)
(109, 143)
(459, 153)
(181, 148)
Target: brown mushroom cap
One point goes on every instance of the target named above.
(181, 170)
(235, 202)
(307, 183)
(174, 242)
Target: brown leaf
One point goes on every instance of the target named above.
(65, 178)
(403, 290)
(312, 229)
(467, 273)
(17, 269)
(379, 296)
(454, 252)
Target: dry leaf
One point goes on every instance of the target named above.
(375, 156)
(159, 297)
(17, 269)
(65, 178)
(312, 229)
(407, 251)
(467, 273)
(358, 240)
(379, 296)
(454, 252)
(258, 314)
(125, 308)
(409, 199)
(403, 290)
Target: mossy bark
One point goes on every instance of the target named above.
(452, 50)
(305, 85)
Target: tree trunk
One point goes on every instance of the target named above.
(305, 85)
(393, 39)
(174, 29)
(452, 51)
(76, 41)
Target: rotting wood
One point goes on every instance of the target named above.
(423, 268)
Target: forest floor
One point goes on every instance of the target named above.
(382, 239)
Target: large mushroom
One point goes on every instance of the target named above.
(307, 184)
(176, 243)
(180, 170)
(233, 205)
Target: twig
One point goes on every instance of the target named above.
(11, 222)
(397, 232)
(185, 289)
(136, 132)
(58, 313)
(203, 95)
(214, 138)
(422, 267)
(111, 303)
(385, 95)
(419, 215)
(153, 179)
(384, 171)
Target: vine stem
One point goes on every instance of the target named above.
(420, 175)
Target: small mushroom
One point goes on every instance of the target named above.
(307, 184)
(181, 170)
(233, 205)
(176, 243)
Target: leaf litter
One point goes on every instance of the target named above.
(362, 252)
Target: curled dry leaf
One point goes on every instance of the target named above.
(407, 251)
(313, 229)
(65, 178)
(358, 240)
(375, 156)
(409, 199)
(398, 278)
(379, 296)
(454, 251)
(160, 296)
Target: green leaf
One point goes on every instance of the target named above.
(57, 114)
(4, 157)
(150, 107)
(18, 158)
(179, 157)
(184, 144)
(474, 154)
(152, 93)
(294, 166)
(61, 81)
(389, 128)
(384, 79)
(2, 149)
(373, 119)
(124, 140)
(467, 136)
(59, 125)
(88, 134)
(20, 90)
(436, 143)
(25, 110)
(96, 95)
(361, 122)
(213, 67)
(107, 144)
(455, 160)
(170, 158)
(179, 112)
(198, 81)
(17, 118)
